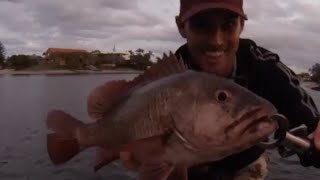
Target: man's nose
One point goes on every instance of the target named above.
(216, 36)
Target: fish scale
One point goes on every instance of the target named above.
(154, 123)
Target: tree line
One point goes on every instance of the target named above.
(138, 59)
(2, 54)
(315, 73)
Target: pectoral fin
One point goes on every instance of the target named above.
(104, 157)
(155, 171)
(179, 173)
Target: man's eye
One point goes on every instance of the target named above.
(229, 25)
(198, 23)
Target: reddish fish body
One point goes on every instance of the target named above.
(168, 117)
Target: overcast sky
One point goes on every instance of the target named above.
(290, 28)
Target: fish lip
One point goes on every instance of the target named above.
(250, 120)
(242, 119)
(247, 115)
(255, 122)
(261, 114)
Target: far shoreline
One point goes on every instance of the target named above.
(314, 86)
(65, 72)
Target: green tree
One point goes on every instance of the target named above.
(315, 72)
(131, 52)
(139, 51)
(73, 60)
(95, 52)
(2, 54)
(304, 76)
(19, 62)
(140, 60)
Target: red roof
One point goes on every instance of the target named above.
(62, 50)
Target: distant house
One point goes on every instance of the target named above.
(60, 56)
(112, 57)
(38, 59)
(109, 60)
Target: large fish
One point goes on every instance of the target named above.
(169, 118)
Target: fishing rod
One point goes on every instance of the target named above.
(289, 142)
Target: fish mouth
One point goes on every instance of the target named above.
(258, 124)
(251, 119)
(251, 122)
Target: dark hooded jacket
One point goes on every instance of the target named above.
(262, 72)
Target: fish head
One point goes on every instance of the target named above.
(220, 115)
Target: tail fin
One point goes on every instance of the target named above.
(61, 149)
(62, 123)
(62, 145)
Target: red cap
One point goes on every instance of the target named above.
(189, 8)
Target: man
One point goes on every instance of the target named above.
(212, 30)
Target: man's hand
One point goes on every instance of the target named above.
(316, 137)
(312, 157)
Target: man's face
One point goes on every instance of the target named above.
(213, 40)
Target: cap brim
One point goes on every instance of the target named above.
(207, 6)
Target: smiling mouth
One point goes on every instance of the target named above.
(214, 55)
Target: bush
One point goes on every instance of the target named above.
(315, 72)
(140, 60)
(19, 62)
(2, 54)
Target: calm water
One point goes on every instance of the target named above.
(24, 102)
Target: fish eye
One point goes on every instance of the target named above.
(222, 96)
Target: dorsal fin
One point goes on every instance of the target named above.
(168, 65)
(107, 95)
